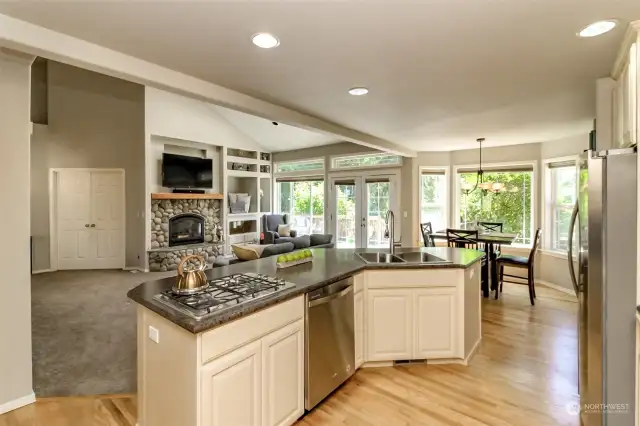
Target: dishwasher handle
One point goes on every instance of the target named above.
(330, 297)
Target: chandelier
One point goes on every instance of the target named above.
(484, 186)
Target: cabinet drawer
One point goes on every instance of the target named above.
(244, 330)
(414, 278)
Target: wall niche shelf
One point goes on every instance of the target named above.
(176, 196)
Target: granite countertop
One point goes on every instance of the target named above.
(329, 265)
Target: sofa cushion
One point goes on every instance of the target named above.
(284, 230)
(301, 242)
(320, 239)
(275, 249)
(272, 221)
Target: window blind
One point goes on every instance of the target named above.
(301, 179)
(498, 169)
(432, 173)
(377, 180)
(559, 164)
(345, 182)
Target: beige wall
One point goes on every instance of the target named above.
(342, 148)
(15, 286)
(95, 121)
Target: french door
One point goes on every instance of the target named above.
(90, 219)
(359, 205)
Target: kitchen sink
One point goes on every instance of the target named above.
(380, 258)
(420, 257)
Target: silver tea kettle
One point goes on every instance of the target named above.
(193, 279)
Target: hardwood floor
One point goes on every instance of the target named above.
(525, 373)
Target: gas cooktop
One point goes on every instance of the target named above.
(224, 293)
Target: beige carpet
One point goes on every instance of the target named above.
(84, 335)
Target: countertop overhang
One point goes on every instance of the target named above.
(329, 265)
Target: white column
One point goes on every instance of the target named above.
(16, 387)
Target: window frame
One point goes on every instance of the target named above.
(300, 173)
(488, 167)
(334, 158)
(305, 178)
(549, 205)
(447, 196)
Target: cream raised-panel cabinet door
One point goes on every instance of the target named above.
(389, 324)
(358, 311)
(231, 388)
(283, 375)
(436, 323)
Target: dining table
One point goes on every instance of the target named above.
(491, 239)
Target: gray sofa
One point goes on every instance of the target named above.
(298, 243)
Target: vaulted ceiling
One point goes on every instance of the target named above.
(440, 72)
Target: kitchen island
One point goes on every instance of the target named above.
(245, 365)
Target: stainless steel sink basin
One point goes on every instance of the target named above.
(380, 258)
(419, 257)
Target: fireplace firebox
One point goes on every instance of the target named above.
(186, 228)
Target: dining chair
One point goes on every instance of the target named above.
(427, 230)
(520, 262)
(462, 238)
(467, 238)
(491, 227)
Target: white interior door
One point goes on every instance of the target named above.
(90, 219)
(358, 208)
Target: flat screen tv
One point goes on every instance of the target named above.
(181, 171)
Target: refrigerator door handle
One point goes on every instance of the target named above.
(572, 271)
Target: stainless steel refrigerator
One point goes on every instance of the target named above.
(604, 279)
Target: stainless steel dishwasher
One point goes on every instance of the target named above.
(330, 345)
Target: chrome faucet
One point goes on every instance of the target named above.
(389, 232)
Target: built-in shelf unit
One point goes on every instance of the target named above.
(247, 172)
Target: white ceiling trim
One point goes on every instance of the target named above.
(30, 38)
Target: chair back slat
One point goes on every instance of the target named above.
(491, 226)
(462, 238)
(536, 242)
(427, 230)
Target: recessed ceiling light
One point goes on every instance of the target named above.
(358, 91)
(598, 28)
(265, 40)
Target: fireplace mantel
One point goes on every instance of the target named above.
(176, 196)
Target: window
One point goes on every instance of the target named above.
(561, 196)
(365, 160)
(303, 200)
(513, 207)
(433, 198)
(316, 164)
(378, 203)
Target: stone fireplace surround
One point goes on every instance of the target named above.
(162, 257)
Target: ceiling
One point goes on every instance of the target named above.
(440, 72)
(274, 138)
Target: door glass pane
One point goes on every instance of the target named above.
(377, 206)
(346, 216)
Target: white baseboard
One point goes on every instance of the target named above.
(134, 268)
(42, 271)
(556, 287)
(17, 403)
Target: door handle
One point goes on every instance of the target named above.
(331, 297)
(572, 224)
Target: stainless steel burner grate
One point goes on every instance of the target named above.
(224, 293)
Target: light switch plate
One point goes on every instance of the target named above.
(405, 214)
(154, 334)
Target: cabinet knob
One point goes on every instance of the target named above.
(86, 225)
(93, 225)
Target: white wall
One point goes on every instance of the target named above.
(15, 287)
(176, 122)
(95, 121)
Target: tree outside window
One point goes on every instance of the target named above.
(433, 199)
(512, 208)
(304, 202)
(562, 190)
